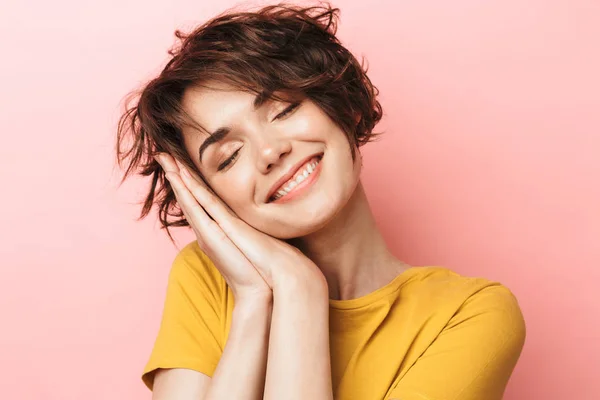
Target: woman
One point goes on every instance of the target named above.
(289, 291)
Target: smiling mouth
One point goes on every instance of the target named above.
(303, 178)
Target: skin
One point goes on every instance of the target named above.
(333, 224)
(283, 261)
(334, 249)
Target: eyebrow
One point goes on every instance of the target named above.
(223, 131)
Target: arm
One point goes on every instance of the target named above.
(179, 384)
(240, 373)
(237, 366)
(299, 365)
(245, 257)
(474, 356)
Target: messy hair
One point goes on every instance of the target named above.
(279, 48)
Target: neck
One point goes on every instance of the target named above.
(351, 252)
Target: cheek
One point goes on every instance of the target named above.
(236, 189)
(308, 123)
(305, 125)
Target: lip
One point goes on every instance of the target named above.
(288, 175)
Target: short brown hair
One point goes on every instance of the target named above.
(284, 48)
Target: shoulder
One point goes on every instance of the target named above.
(468, 298)
(191, 331)
(439, 282)
(192, 268)
(469, 335)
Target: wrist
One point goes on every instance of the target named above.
(253, 303)
(311, 287)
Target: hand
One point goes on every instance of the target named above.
(250, 261)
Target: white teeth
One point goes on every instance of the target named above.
(294, 182)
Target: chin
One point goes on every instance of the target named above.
(310, 213)
(303, 221)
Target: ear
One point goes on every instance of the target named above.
(357, 118)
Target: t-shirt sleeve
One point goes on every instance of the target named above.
(191, 333)
(474, 355)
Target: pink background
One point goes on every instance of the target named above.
(490, 166)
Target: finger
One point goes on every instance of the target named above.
(205, 245)
(240, 233)
(191, 221)
(181, 166)
(167, 162)
(215, 242)
(196, 180)
(214, 206)
(195, 176)
(192, 180)
(202, 223)
(197, 214)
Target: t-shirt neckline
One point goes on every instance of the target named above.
(377, 294)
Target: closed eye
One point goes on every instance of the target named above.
(288, 110)
(282, 114)
(229, 160)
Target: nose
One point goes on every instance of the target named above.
(272, 150)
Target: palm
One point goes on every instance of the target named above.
(239, 250)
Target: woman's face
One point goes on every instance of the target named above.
(264, 145)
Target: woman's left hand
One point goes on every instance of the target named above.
(285, 262)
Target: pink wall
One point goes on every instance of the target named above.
(490, 166)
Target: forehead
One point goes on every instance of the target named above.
(214, 102)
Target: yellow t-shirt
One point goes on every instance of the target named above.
(429, 334)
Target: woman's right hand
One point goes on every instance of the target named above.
(245, 281)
